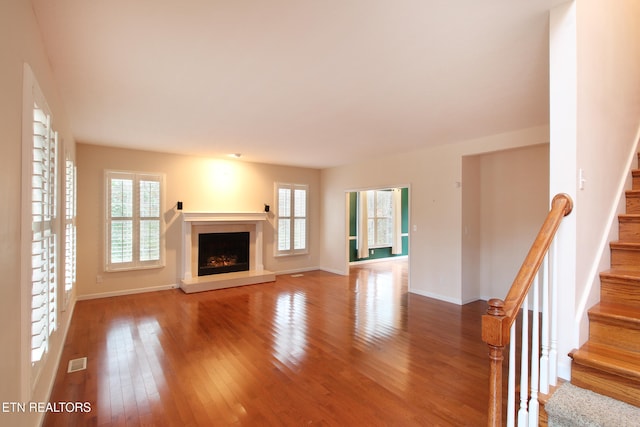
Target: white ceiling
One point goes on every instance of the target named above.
(297, 82)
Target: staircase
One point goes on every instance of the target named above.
(609, 362)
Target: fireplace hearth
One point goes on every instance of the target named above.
(223, 253)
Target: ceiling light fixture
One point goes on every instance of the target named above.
(236, 155)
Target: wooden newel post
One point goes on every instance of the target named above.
(496, 336)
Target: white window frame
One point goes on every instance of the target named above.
(289, 216)
(136, 263)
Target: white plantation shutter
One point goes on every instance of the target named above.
(284, 219)
(43, 243)
(69, 228)
(291, 218)
(134, 226)
(300, 219)
(149, 219)
(120, 198)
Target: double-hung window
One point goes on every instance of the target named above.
(380, 218)
(134, 237)
(292, 219)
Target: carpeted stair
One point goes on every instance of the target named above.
(572, 406)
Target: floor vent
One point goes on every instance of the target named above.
(77, 365)
(297, 275)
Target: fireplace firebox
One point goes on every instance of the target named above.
(223, 252)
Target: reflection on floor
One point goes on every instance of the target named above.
(315, 349)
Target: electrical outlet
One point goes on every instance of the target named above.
(98, 279)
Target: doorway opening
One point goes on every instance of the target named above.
(377, 226)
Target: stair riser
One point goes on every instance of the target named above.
(629, 231)
(615, 386)
(633, 205)
(619, 293)
(619, 336)
(636, 183)
(625, 259)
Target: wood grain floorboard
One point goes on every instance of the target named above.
(319, 350)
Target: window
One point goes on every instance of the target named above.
(291, 232)
(380, 218)
(40, 166)
(133, 226)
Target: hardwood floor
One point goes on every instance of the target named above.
(318, 349)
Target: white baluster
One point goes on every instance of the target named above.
(553, 352)
(544, 358)
(535, 340)
(511, 391)
(524, 365)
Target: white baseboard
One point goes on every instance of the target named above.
(456, 301)
(473, 299)
(334, 271)
(296, 270)
(126, 292)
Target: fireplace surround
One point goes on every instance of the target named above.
(195, 224)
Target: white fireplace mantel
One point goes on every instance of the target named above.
(190, 220)
(234, 217)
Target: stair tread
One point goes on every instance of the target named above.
(619, 312)
(619, 273)
(610, 359)
(629, 217)
(625, 244)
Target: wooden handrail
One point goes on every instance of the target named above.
(496, 324)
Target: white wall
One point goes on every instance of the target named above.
(562, 160)
(202, 184)
(435, 207)
(608, 106)
(514, 201)
(595, 114)
(20, 42)
(471, 229)
(505, 194)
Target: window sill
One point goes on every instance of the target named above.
(282, 255)
(133, 268)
